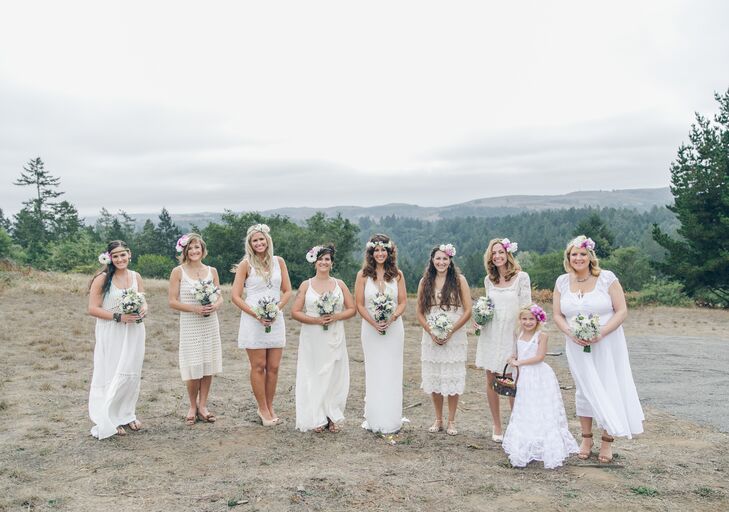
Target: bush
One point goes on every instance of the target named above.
(78, 254)
(544, 269)
(663, 293)
(155, 266)
(632, 267)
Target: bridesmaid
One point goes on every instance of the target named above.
(443, 289)
(119, 350)
(200, 355)
(510, 290)
(382, 342)
(322, 368)
(262, 275)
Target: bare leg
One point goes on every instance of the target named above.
(586, 444)
(257, 359)
(205, 384)
(273, 361)
(452, 407)
(494, 404)
(438, 408)
(193, 388)
(606, 448)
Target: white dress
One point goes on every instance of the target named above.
(538, 427)
(444, 366)
(322, 368)
(118, 358)
(200, 353)
(252, 334)
(383, 356)
(603, 380)
(496, 342)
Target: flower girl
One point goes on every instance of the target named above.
(538, 426)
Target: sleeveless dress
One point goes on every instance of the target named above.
(604, 387)
(200, 353)
(251, 333)
(496, 342)
(383, 356)
(118, 358)
(538, 427)
(322, 368)
(443, 367)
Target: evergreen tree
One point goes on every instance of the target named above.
(594, 227)
(64, 222)
(168, 233)
(4, 222)
(147, 240)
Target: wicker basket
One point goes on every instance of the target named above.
(503, 384)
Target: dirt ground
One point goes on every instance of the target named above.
(48, 460)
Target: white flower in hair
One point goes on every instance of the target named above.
(509, 246)
(104, 258)
(263, 228)
(379, 243)
(313, 253)
(449, 249)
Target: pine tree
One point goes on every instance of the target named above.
(168, 234)
(594, 227)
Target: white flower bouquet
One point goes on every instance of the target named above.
(326, 305)
(267, 308)
(381, 307)
(206, 292)
(440, 325)
(585, 328)
(483, 312)
(131, 302)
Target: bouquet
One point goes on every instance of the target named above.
(381, 307)
(267, 308)
(131, 302)
(206, 292)
(326, 304)
(440, 325)
(585, 328)
(483, 311)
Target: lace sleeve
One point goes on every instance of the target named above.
(524, 289)
(562, 282)
(607, 278)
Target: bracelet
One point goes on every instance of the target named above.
(117, 317)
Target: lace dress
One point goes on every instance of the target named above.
(118, 358)
(604, 387)
(200, 353)
(252, 334)
(383, 357)
(496, 342)
(444, 366)
(322, 368)
(538, 427)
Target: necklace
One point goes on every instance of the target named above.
(583, 280)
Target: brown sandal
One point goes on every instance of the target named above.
(210, 418)
(602, 458)
(135, 425)
(585, 455)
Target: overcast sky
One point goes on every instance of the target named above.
(201, 106)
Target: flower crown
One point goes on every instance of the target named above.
(538, 313)
(449, 249)
(104, 258)
(263, 228)
(509, 246)
(379, 243)
(182, 243)
(583, 243)
(313, 253)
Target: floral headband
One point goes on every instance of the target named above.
(538, 313)
(182, 243)
(263, 228)
(104, 258)
(448, 249)
(583, 243)
(509, 246)
(379, 243)
(313, 253)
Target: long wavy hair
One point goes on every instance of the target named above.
(593, 266)
(450, 294)
(109, 269)
(192, 237)
(512, 266)
(262, 265)
(369, 265)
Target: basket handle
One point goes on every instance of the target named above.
(517, 373)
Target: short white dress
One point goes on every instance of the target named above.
(444, 366)
(200, 353)
(252, 334)
(118, 358)
(604, 387)
(496, 342)
(383, 359)
(322, 368)
(538, 428)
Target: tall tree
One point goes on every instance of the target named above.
(699, 258)
(594, 227)
(168, 234)
(4, 221)
(64, 222)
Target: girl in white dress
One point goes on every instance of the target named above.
(538, 427)
(262, 276)
(322, 367)
(510, 289)
(382, 342)
(119, 350)
(200, 355)
(604, 387)
(443, 289)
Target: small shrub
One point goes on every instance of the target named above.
(663, 293)
(644, 491)
(155, 266)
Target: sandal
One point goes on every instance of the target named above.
(586, 455)
(264, 421)
(602, 458)
(210, 418)
(190, 420)
(135, 426)
(120, 431)
(333, 427)
(437, 427)
(319, 429)
(451, 430)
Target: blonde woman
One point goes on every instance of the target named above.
(261, 276)
(200, 355)
(509, 288)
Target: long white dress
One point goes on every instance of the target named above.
(252, 334)
(443, 367)
(322, 368)
(496, 342)
(200, 353)
(603, 379)
(383, 356)
(538, 428)
(118, 358)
